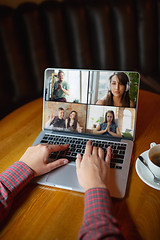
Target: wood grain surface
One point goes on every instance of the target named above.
(49, 213)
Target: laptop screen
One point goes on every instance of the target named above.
(95, 102)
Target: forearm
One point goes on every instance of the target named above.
(79, 127)
(99, 132)
(114, 134)
(98, 221)
(65, 91)
(12, 180)
(48, 123)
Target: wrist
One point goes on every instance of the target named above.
(28, 165)
(95, 186)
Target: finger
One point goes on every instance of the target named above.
(108, 155)
(101, 153)
(55, 148)
(78, 161)
(56, 164)
(89, 147)
(95, 151)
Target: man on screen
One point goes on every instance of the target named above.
(56, 121)
(60, 89)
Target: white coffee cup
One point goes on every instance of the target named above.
(152, 163)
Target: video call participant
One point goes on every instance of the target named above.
(118, 94)
(61, 88)
(108, 127)
(72, 123)
(56, 121)
(93, 175)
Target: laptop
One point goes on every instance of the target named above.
(77, 104)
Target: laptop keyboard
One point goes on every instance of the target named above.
(78, 145)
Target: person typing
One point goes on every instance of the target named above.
(93, 173)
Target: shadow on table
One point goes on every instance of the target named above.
(126, 223)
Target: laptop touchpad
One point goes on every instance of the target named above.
(64, 176)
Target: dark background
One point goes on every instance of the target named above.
(90, 34)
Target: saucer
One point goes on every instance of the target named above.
(144, 173)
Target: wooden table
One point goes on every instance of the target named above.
(49, 213)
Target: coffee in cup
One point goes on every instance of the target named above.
(154, 159)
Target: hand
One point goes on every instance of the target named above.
(108, 127)
(80, 129)
(52, 118)
(92, 170)
(60, 86)
(36, 157)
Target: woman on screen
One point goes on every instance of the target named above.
(71, 123)
(108, 127)
(118, 93)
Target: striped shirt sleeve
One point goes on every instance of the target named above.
(98, 220)
(12, 180)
